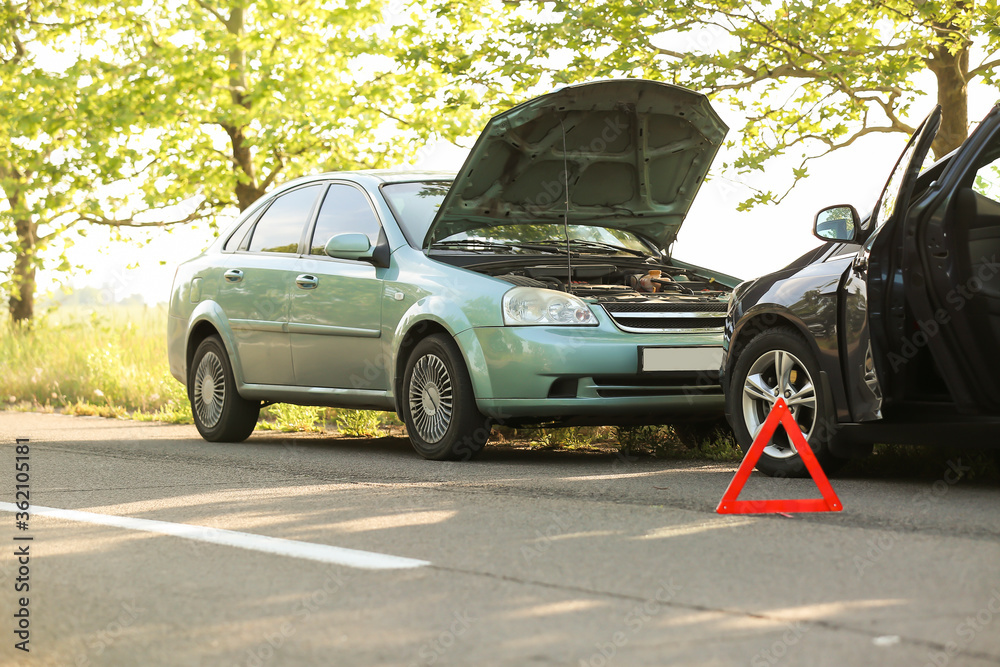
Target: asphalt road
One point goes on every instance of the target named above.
(520, 558)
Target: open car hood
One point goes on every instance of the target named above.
(633, 152)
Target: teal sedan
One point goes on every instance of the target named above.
(535, 286)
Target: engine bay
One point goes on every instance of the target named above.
(612, 282)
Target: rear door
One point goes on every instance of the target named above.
(952, 270)
(865, 285)
(255, 285)
(336, 304)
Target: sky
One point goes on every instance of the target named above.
(714, 235)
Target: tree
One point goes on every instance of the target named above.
(808, 76)
(199, 107)
(238, 96)
(47, 147)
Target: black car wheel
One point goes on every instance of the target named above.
(220, 413)
(777, 362)
(438, 404)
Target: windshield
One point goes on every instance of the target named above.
(582, 237)
(415, 204)
(905, 171)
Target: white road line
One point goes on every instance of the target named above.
(324, 553)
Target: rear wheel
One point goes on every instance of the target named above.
(438, 404)
(777, 362)
(220, 413)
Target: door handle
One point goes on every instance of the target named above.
(305, 281)
(233, 276)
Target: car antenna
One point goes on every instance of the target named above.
(569, 254)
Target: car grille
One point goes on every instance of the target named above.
(659, 384)
(683, 317)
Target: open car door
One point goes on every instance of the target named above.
(951, 250)
(867, 281)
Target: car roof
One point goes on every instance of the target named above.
(370, 178)
(376, 177)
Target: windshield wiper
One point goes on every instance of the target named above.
(493, 245)
(580, 244)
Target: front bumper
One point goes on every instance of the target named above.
(581, 374)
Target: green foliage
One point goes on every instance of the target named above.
(109, 362)
(580, 437)
(641, 439)
(290, 418)
(359, 423)
(810, 76)
(717, 444)
(56, 143)
(154, 113)
(241, 96)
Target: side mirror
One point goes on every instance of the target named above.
(837, 223)
(350, 246)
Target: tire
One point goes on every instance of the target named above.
(438, 404)
(220, 413)
(751, 395)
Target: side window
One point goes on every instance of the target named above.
(987, 181)
(234, 241)
(345, 209)
(279, 229)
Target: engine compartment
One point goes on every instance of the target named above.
(619, 281)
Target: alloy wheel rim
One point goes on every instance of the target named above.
(431, 398)
(209, 389)
(779, 373)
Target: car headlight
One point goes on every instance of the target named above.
(532, 305)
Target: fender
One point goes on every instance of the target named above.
(828, 357)
(449, 316)
(211, 312)
(775, 315)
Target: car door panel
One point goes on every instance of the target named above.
(863, 389)
(335, 320)
(335, 327)
(254, 286)
(257, 308)
(953, 275)
(867, 292)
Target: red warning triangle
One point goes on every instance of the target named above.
(780, 414)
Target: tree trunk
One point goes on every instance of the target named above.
(22, 297)
(247, 190)
(952, 72)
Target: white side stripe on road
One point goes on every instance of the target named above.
(324, 553)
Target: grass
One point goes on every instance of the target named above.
(110, 362)
(289, 418)
(359, 423)
(664, 442)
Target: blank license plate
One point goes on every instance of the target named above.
(653, 359)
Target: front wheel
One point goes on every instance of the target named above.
(438, 404)
(777, 362)
(220, 413)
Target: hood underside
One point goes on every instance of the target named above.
(632, 152)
